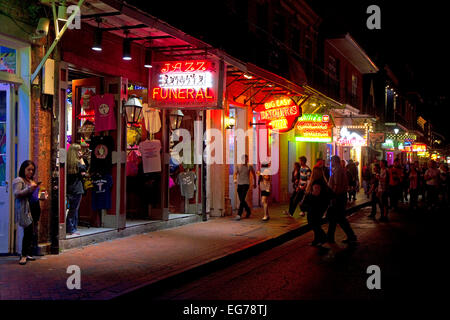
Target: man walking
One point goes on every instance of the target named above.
(242, 178)
(336, 213)
(305, 175)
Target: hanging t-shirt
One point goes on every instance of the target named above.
(104, 106)
(101, 193)
(186, 180)
(101, 157)
(151, 119)
(151, 157)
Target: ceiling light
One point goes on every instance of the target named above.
(126, 47)
(148, 58)
(98, 34)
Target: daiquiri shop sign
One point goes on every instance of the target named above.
(280, 113)
(187, 84)
(314, 128)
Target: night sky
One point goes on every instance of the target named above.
(412, 39)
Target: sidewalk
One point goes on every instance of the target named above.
(113, 268)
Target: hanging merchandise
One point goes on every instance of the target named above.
(104, 106)
(186, 180)
(85, 99)
(133, 161)
(87, 129)
(152, 119)
(101, 193)
(101, 158)
(151, 157)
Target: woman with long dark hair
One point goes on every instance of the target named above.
(25, 188)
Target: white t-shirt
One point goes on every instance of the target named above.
(151, 119)
(151, 157)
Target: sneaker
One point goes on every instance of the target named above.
(237, 218)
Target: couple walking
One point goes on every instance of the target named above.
(320, 196)
(242, 178)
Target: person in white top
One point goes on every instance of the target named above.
(242, 178)
(265, 186)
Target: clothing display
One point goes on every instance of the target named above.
(186, 180)
(104, 106)
(151, 157)
(101, 193)
(101, 158)
(151, 118)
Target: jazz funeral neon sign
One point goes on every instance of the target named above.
(314, 128)
(279, 113)
(193, 83)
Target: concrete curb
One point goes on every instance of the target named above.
(151, 290)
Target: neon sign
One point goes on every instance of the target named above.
(187, 84)
(279, 113)
(314, 128)
(419, 147)
(351, 138)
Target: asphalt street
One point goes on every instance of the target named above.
(409, 250)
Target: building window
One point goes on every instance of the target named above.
(354, 84)
(332, 70)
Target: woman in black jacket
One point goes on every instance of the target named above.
(316, 201)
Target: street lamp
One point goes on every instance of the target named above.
(133, 109)
(175, 118)
(396, 130)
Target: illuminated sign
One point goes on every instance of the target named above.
(187, 84)
(314, 128)
(419, 147)
(7, 59)
(279, 113)
(352, 138)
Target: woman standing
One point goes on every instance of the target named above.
(265, 187)
(76, 169)
(23, 187)
(317, 199)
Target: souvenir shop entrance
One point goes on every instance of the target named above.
(122, 158)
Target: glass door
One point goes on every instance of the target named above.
(5, 181)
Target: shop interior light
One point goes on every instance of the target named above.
(148, 58)
(247, 76)
(133, 109)
(126, 47)
(98, 34)
(62, 11)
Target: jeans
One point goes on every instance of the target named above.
(74, 201)
(296, 197)
(395, 193)
(242, 190)
(336, 215)
(432, 195)
(27, 241)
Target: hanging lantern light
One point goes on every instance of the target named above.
(175, 118)
(133, 109)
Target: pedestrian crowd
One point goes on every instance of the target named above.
(320, 193)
